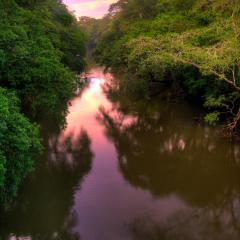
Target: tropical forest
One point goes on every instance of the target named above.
(119, 119)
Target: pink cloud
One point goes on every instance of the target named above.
(92, 8)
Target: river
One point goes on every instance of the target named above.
(124, 169)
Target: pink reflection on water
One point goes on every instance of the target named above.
(106, 201)
(83, 109)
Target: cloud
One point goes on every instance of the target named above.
(92, 8)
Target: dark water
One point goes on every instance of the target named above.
(126, 169)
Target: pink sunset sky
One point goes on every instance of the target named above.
(91, 8)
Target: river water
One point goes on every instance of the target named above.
(124, 169)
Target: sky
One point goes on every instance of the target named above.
(91, 8)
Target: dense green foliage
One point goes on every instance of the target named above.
(39, 43)
(19, 143)
(191, 45)
(93, 29)
(41, 49)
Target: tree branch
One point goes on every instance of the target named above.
(220, 76)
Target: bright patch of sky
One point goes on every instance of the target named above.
(91, 8)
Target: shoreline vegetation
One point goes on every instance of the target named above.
(192, 46)
(42, 47)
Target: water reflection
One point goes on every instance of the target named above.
(44, 207)
(163, 155)
(162, 150)
(191, 224)
(157, 174)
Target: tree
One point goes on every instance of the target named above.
(40, 42)
(192, 46)
(19, 144)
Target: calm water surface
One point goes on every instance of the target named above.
(125, 169)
